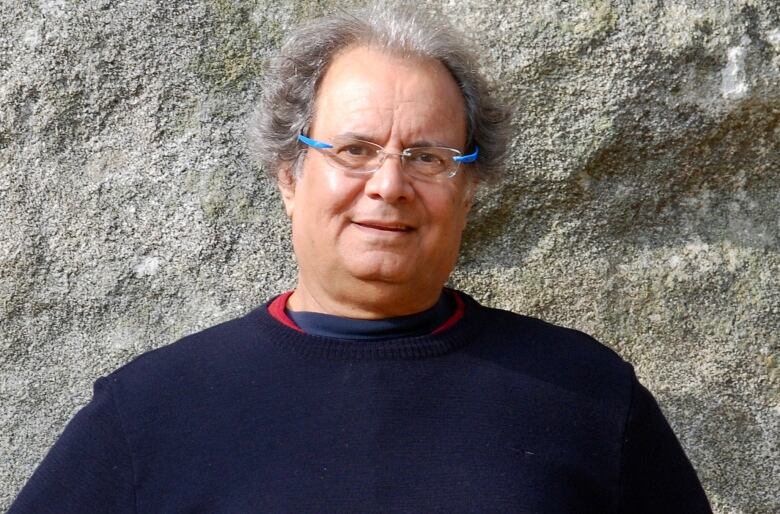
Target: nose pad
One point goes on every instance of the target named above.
(389, 181)
(383, 157)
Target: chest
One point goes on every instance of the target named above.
(369, 440)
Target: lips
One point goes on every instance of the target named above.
(388, 226)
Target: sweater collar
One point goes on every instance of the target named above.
(277, 327)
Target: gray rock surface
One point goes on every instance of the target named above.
(642, 203)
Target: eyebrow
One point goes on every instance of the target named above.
(416, 144)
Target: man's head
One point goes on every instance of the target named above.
(294, 77)
(377, 242)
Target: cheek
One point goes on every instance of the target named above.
(449, 215)
(330, 201)
(459, 201)
(332, 182)
(326, 190)
(342, 193)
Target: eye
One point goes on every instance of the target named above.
(356, 149)
(354, 154)
(428, 158)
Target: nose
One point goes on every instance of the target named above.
(389, 182)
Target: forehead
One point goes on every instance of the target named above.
(367, 91)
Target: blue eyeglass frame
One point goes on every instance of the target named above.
(464, 159)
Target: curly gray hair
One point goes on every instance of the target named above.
(287, 103)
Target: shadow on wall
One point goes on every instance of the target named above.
(711, 181)
(723, 429)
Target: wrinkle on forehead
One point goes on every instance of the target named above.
(365, 91)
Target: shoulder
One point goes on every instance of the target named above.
(199, 358)
(561, 356)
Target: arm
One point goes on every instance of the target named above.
(89, 468)
(656, 476)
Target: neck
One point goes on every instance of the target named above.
(370, 301)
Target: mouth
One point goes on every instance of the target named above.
(385, 226)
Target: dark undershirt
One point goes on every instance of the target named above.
(421, 323)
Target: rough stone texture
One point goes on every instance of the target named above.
(642, 203)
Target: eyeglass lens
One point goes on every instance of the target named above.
(362, 156)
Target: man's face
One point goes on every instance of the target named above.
(384, 233)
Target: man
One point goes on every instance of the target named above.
(371, 387)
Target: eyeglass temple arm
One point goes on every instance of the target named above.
(313, 142)
(467, 158)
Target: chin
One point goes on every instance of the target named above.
(381, 274)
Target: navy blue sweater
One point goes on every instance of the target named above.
(497, 413)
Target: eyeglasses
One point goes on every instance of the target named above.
(363, 157)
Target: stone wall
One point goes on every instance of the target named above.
(642, 203)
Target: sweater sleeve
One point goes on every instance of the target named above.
(656, 476)
(89, 468)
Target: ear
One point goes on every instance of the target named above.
(285, 181)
